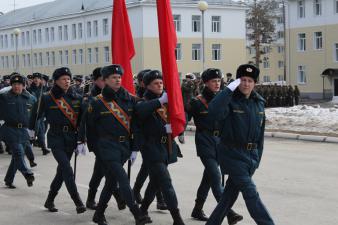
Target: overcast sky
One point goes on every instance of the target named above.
(8, 5)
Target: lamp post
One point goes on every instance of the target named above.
(16, 32)
(203, 6)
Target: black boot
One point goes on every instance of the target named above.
(144, 213)
(90, 203)
(175, 213)
(45, 150)
(29, 179)
(80, 208)
(161, 205)
(1, 148)
(49, 204)
(99, 217)
(8, 150)
(233, 217)
(121, 204)
(10, 185)
(137, 196)
(32, 163)
(197, 212)
(139, 218)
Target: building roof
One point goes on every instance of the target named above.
(60, 8)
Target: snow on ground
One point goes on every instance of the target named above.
(304, 118)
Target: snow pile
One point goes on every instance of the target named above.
(303, 118)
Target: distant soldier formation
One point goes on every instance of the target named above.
(76, 112)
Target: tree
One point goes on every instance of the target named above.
(260, 25)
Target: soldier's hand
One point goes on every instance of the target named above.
(133, 157)
(31, 134)
(164, 98)
(81, 149)
(233, 85)
(181, 138)
(168, 128)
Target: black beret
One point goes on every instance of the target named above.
(78, 78)
(29, 76)
(141, 74)
(150, 76)
(61, 72)
(111, 69)
(229, 75)
(37, 75)
(210, 74)
(45, 77)
(97, 73)
(88, 78)
(248, 70)
(17, 78)
(7, 77)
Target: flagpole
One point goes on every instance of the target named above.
(169, 136)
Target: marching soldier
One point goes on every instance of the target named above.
(110, 117)
(62, 108)
(155, 152)
(188, 88)
(240, 111)
(78, 79)
(229, 78)
(290, 96)
(37, 89)
(206, 140)
(296, 95)
(16, 104)
(98, 171)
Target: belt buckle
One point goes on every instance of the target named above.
(20, 125)
(249, 146)
(216, 133)
(122, 138)
(65, 129)
(163, 139)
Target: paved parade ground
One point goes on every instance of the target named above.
(298, 182)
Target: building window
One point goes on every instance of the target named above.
(80, 30)
(23, 39)
(74, 56)
(2, 62)
(40, 59)
(60, 33)
(34, 37)
(60, 58)
(336, 6)
(196, 52)
(28, 38)
(13, 61)
(216, 52)
(48, 58)
(301, 75)
(52, 34)
(24, 60)
(301, 42)
(90, 57)
(66, 57)
(196, 23)
(301, 9)
(1, 41)
(6, 62)
(106, 55)
(266, 49)
(12, 40)
(178, 51)
(216, 24)
(280, 34)
(74, 31)
(39, 36)
(35, 59)
(53, 58)
(6, 41)
(105, 26)
(266, 64)
(280, 20)
(266, 78)
(95, 28)
(65, 33)
(47, 34)
(280, 49)
(280, 64)
(89, 29)
(280, 78)
(317, 7)
(96, 59)
(28, 59)
(80, 56)
(336, 51)
(177, 22)
(318, 40)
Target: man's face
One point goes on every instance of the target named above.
(214, 85)
(156, 86)
(99, 82)
(37, 81)
(63, 82)
(113, 81)
(7, 81)
(77, 82)
(247, 85)
(17, 88)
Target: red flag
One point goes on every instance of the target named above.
(171, 80)
(122, 43)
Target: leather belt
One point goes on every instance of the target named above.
(15, 125)
(245, 146)
(61, 128)
(215, 133)
(120, 139)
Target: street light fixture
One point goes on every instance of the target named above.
(203, 6)
(16, 32)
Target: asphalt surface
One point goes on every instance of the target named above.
(298, 182)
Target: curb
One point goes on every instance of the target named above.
(292, 136)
